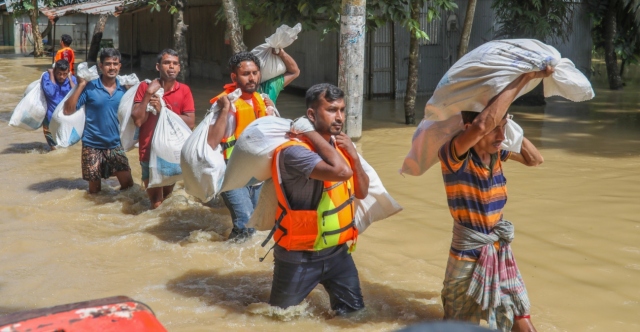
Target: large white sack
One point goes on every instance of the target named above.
(128, 80)
(270, 64)
(128, 130)
(378, 204)
(168, 138)
(31, 110)
(67, 129)
(479, 76)
(203, 168)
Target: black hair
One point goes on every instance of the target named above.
(110, 53)
(469, 116)
(327, 91)
(66, 40)
(167, 51)
(62, 64)
(240, 57)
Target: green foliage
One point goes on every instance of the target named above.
(24, 6)
(627, 39)
(538, 19)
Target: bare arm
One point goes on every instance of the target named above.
(71, 103)
(529, 154)
(491, 116)
(189, 119)
(139, 113)
(332, 167)
(361, 179)
(292, 67)
(217, 130)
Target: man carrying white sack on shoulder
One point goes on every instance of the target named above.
(482, 280)
(317, 177)
(245, 74)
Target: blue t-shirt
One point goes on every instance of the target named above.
(101, 127)
(54, 92)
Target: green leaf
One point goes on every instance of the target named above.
(321, 10)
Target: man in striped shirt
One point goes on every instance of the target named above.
(482, 280)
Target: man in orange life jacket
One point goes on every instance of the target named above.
(317, 176)
(245, 74)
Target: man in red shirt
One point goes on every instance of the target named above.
(66, 52)
(177, 97)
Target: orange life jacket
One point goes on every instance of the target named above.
(245, 114)
(330, 224)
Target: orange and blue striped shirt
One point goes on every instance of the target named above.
(476, 195)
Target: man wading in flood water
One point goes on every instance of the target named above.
(482, 280)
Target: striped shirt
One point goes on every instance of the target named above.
(476, 195)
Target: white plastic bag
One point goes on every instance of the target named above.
(67, 130)
(168, 138)
(270, 64)
(128, 80)
(31, 110)
(479, 76)
(203, 168)
(128, 130)
(513, 137)
(160, 94)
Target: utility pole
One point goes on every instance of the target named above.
(351, 62)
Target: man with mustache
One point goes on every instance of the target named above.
(482, 280)
(102, 154)
(245, 74)
(317, 175)
(177, 97)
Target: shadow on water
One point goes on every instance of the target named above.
(18, 148)
(59, 183)
(179, 224)
(235, 291)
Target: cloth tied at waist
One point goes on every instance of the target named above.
(495, 273)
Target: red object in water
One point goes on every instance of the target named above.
(119, 313)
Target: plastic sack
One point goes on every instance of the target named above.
(513, 137)
(478, 77)
(270, 109)
(128, 130)
(270, 64)
(31, 110)
(168, 138)
(160, 94)
(378, 204)
(202, 167)
(67, 130)
(250, 162)
(128, 80)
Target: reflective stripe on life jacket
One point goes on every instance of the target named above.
(244, 115)
(331, 224)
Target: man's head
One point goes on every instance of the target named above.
(61, 70)
(66, 40)
(245, 71)
(168, 64)
(490, 143)
(110, 62)
(326, 108)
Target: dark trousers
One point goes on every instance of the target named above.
(292, 282)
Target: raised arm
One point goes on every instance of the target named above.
(71, 105)
(495, 111)
(529, 154)
(217, 130)
(292, 67)
(332, 167)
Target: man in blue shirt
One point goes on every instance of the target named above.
(102, 154)
(56, 83)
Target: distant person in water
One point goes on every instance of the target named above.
(482, 280)
(102, 153)
(66, 52)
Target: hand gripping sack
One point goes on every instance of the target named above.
(67, 129)
(270, 64)
(168, 138)
(128, 130)
(31, 110)
(203, 168)
(479, 76)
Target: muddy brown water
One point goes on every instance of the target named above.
(576, 216)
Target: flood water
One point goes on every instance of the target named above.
(577, 228)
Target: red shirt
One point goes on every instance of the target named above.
(179, 100)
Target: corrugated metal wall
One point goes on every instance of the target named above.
(578, 49)
(317, 58)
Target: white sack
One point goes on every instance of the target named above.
(513, 137)
(160, 94)
(479, 76)
(31, 110)
(67, 129)
(168, 138)
(270, 64)
(128, 80)
(378, 204)
(128, 130)
(203, 167)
